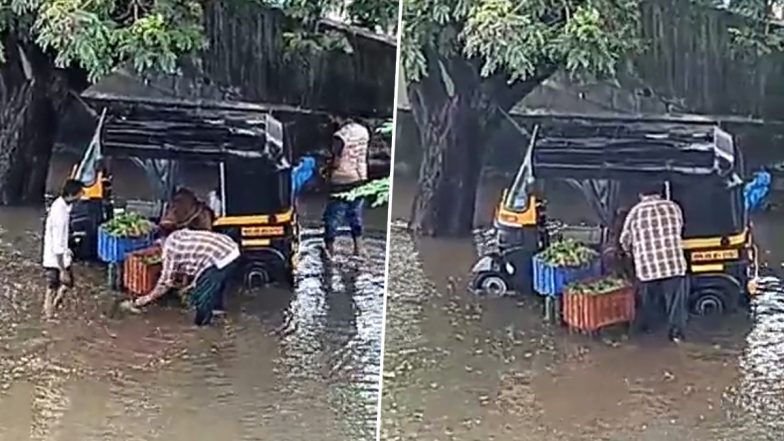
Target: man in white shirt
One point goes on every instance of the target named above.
(56, 256)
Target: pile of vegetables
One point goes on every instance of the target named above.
(568, 253)
(377, 191)
(153, 258)
(128, 225)
(604, 285)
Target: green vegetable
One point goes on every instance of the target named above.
(568, 253)
(128, 225)
(152, 259)
(377, 190)
(604, 285)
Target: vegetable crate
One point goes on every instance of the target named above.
(550, 280)
(114, 249)
(141, 271)
(589, 312)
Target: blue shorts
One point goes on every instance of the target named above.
(339, 211)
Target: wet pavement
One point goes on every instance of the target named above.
(281, 365)
(459, 367)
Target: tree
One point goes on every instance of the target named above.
(467, 62)
(51, 50)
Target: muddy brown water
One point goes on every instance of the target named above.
(458, 367)
(282, 365)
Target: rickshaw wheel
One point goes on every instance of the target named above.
(492, 284)
(713, 295)
(709, 303)
(256, 277)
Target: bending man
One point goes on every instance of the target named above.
(653, 232)
(206, 258)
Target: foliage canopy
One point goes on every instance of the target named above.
(523, 39)
(100, 35)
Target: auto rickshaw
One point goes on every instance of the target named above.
(698, 164)
(246, 143)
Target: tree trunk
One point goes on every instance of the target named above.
(456, 117)
(32, 97)
(450, 169)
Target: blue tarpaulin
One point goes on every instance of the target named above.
(302, 173)
(756, 190)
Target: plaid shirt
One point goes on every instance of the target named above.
(189, 253)
(652, 232)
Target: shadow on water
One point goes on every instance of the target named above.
(282, 365)
(462, 367)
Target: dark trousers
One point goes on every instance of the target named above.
(666, 295)
(339, 210)
(208, 292)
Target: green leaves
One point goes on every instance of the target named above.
(305, 37)
(377, 191)
(151, 35)
(378, 15)
(99, 35)
(76, 35)
(506, 38)
(386, 129)
(155, 42)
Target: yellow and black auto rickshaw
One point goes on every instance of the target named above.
(607, 159)
(245, 142)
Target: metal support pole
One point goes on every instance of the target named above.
(223, 188)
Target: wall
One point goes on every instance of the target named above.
(245, 61)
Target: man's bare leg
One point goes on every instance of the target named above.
(358, 248)
(48, 303)
(329, 249)
(59, 297)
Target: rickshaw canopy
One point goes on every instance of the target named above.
(633, 148)
(170, 128)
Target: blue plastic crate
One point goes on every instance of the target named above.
(113, 249)
(551, 281)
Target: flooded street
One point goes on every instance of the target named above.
(281, 365)
(459, 367)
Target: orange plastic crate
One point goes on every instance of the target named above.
(589, 313)
(139, 278)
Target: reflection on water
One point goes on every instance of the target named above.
(281, 366)
(759, 396)
(462, 367)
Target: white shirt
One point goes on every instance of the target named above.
(215, 203)
(56, 234)
(351, 166)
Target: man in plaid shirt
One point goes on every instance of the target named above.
(206, 258)
(652, 233)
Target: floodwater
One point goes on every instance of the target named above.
(459, 367)
(282, 365)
